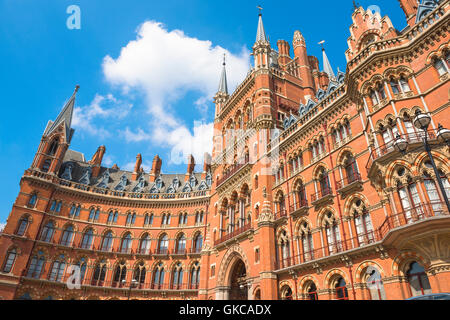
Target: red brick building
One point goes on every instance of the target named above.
(306, 194)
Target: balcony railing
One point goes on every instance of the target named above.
(411, 216)
(232, 170)
(355, 176)
(280, 214)
(161, 251)
(233, 234)
(321, 194)
(303, 203)
(385, 149)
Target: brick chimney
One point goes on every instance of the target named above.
(137, 168)
(96, 161)
(156, 168)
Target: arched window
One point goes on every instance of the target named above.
(341, 289)
(37, 262)
(107, 241)
(55, 206)
(139, 273)
(46, 165)
(351, 169)
(418, 280)
(125, 246)
(120, 273)
(394, 86)
(410, 200)
(32, 201)
(58, 268)
(23, 224)
(375, 284)
(158, 277)
(333, 236)
(312, 292)
(67, 236)
(181, 244)
(163, 244)
(47, 232)
(177, 276)
(131, 218)
(185, 218)
(94, 214)
(82, 265)
(307, 242)
(433, 194)
(363, 224)
(144, 247)
(75, 211)
(374, 97)
(195, 276)
(324, 183)
(404, 84)
(110, 217)
(198, 242)
(381, 92)
(9, 261)
(440, 66)
(284, 247)
(286, 293)
(88, 238)
(53, 147)
(99, 274)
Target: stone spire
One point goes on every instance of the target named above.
(326, 64)
(223, 86)
(260, 34)
(65, 117)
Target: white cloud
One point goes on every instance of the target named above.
(100, 107)
(146, 165)
(165, 65)
(2, 226)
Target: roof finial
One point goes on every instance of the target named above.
(260, 10)
(224, 59)
(223, 86)
(76, 88)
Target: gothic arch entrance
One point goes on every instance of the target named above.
(238, 281)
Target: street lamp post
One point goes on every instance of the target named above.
(422, 121)
(132, 285)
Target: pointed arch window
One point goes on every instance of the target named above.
(58, 268)
(131, 218)
(82, 265)
(198, 242)
(9, 261)
(99, 274)
(55, 206)
(67, 236)
(140, 273)
(364, 228)
(351, 169)
(158, 277)
(46, 165)
(120, 273)
(181, 244)
(88, 238)
(36, 265)
(75, 211)
(48, 231)
(126, 243)
(306, 242)
(107, 241)
(404, 84)
(312, 292)
(374, 97)
(32, 201)
(418, 280)
(177, 276)
(394, 86)
(23, 224)
(144, 247)
(94, 214)
(163, 244)
(332, 233)
(324, 183)
(53, 147)
(410, 201)
(440, 67)
(195, 276)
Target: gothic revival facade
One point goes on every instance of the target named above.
(306, 194)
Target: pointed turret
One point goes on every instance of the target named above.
(261, 48)
(223, 86)
(56, 139)
(260, 33)
(64, 117)
(327, 66)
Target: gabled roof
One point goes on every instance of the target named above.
(223, 86)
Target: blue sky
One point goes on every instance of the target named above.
(145, 87)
